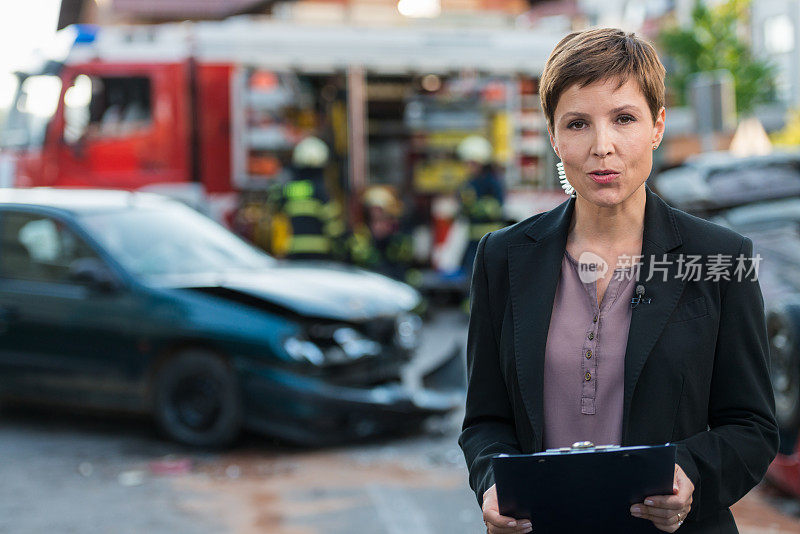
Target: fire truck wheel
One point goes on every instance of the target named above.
(785, 369)
(197, 400)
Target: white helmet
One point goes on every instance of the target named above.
(475, 148)
(310, 152)
(382, 196)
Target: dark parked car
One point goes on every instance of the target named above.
(760, 198)
(135, 302)
(774, 227)
(709, 183)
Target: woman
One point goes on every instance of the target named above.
(556, 351)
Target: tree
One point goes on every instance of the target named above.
(713, 42)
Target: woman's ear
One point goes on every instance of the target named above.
(553, 142)
(658, 127)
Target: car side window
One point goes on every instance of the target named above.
(39, 248)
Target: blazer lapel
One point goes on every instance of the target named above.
(663, 286)
(534, 271)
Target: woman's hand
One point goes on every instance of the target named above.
(499, 524)
(667, 512)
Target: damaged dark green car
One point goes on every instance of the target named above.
(135, 302)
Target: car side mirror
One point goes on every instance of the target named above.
(94, 273)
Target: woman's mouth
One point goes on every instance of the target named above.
(603, 176)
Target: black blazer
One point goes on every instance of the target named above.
(696, 363)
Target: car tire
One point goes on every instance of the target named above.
(785, 368)
(197, 400)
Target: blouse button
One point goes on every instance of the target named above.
(588, 376)
(591, 335)
(594, 319)
(588, 355)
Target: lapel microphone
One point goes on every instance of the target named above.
(640, 298)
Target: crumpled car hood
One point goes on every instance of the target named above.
(318, 289)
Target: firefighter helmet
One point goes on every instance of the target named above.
(310, 152)
(384, 197)
(475, 148)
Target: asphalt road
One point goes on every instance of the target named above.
(64, 472)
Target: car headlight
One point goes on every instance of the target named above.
(354, 344)
(304, 350)
(407, 330)
(346, 344)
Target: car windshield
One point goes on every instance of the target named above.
(171, 240)
(776, 212)
(27, 118)
(772, 180)
(779, 248)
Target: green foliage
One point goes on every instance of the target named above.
(713, 42)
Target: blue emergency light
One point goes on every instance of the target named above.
(85, 33)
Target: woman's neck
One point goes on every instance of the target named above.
(611, 226)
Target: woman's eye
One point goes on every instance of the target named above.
(576, 125)
(625, 119)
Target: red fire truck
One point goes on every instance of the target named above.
(208, 111)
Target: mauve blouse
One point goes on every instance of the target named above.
(585, 358)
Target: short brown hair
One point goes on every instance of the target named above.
(599, 54)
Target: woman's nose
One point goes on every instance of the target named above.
(603, 143)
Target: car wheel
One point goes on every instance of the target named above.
(785, 369)
(197, 400)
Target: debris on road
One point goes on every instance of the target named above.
(85, 469)
(131, 478)
(169, 465)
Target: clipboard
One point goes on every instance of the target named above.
(583, 488)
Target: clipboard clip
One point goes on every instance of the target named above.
(583, 446)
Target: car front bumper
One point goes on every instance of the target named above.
(313, 411)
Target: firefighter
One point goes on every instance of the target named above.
(481, 196)
(380, 244)
(315, 226)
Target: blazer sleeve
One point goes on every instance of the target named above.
(732, 456)
(488, 427)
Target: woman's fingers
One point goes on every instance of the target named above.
(662, 515)
(664, 506)
(500, 524)
(668, 502)
(504, 524)
(656, 511)
(667, 512)
(671, 520)
(491, 529)
(494, 517)
(517, 530)
(666, 520)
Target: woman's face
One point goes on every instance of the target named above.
(605, 135)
